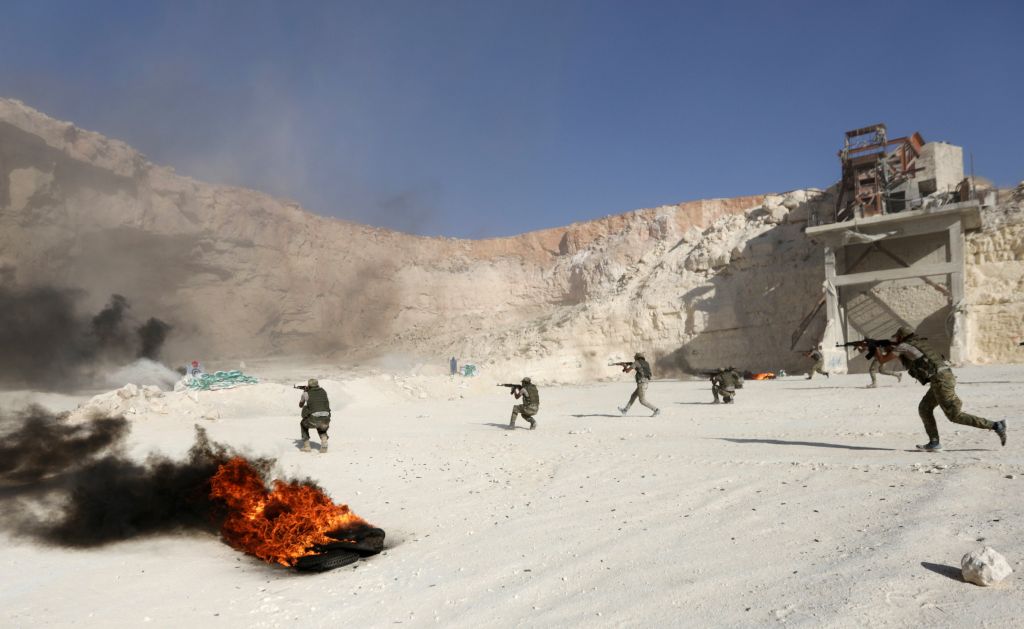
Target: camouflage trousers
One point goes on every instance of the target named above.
(942, 393)
(526, 411)
(640, 393)
(876, 368)
(321, 424)
(726, 393)
(819, 367)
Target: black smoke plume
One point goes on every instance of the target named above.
(41, 335)
(91, 494)
(106, 325)
(152, 335)
(47, 343)
(40, 445)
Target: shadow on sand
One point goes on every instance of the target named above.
(950, 572)
(597, 415)
(814, 444)
(312, 444)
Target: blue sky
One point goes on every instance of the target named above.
(483, 118)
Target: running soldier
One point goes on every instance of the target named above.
(530, 405)
(930, 368)
(316, 413)
(870, 351)
(819, 362)
(643, 378)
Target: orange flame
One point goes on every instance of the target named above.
(764, 375)
(277, 525)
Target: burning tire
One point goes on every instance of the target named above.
(351, 545)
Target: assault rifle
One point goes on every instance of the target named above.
(304, 387)
(623, 364)
(511, 386)
(871, 345)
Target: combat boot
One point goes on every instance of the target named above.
(872, 386)
(1000, 429)
(305, 445)
(323, 445)
(899, 377)
(931, 446)
(533, 424)
(623, 410)
(656, 412)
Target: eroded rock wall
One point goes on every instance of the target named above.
(241, 274)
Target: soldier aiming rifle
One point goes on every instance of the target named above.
(531, 402)
(870, 347)
(930, 368)
(643, 378)
(316, 413)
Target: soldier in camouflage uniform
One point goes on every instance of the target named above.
(643, 378)
(725, 381)
(717, 383)
(731, 380)
(819, 363)
(929, 368)
(529, 407)
(316, 413)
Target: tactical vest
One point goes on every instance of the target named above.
(927, 365)
(317, 401)
(531, 395)
(643, 369)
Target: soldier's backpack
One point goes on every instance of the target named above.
(645, 369)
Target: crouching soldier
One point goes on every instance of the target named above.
(530, 405)
(316, 413)
(725, 383)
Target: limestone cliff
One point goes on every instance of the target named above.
(242, 274)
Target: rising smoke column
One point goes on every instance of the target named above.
(152, 335)
(41, 336)
(46, 343)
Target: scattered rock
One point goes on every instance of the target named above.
(984, 567)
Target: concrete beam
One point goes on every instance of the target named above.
(924, 270)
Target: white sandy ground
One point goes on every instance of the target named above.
(799, 505)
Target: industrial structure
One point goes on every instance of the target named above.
(894, 247)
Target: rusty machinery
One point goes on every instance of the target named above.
(873, 167)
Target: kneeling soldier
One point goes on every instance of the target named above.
(530, 405)
(316, 413)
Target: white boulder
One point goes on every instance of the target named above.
(985, 566)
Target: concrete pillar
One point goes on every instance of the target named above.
(958, 343)
(835, 358)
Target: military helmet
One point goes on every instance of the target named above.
(312, 383)
(638, 355)
(526, 380)
(903, 332)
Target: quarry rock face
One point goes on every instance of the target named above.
(241, 274)
(985, 567)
